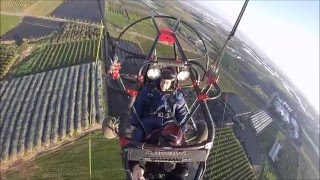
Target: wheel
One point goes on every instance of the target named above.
(202, 131)
(110, 127)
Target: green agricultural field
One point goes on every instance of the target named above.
(229, 83)
(116, 19)
(8, 22)
(288, 163)
(269, 135)
(57, 56)
(72, 161)
(228, 159)
(145, 28)
(305, 170)
(7, 58)
(43, 7)
(163, 7)
(137, 6)
(309, 159)
(268, 172)
(162, 49)
(115, 14)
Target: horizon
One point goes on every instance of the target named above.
(291, 19)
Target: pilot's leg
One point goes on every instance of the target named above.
(150, 125)
(138, 134)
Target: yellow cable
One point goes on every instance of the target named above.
(91, 107)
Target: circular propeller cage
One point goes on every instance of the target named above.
(185, 42)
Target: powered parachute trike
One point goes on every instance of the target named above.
(130, 69)
(193, 74)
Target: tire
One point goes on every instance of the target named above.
(202, 131)
(108, 128)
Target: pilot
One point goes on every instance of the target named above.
(159, 107)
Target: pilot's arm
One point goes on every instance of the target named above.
(139, 106)
(180, 109)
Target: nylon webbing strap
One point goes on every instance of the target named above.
(91, 103)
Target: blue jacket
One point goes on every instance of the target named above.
(151, 101)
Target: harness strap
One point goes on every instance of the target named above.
(169, 106)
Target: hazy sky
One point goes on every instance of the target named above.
(286, 31)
